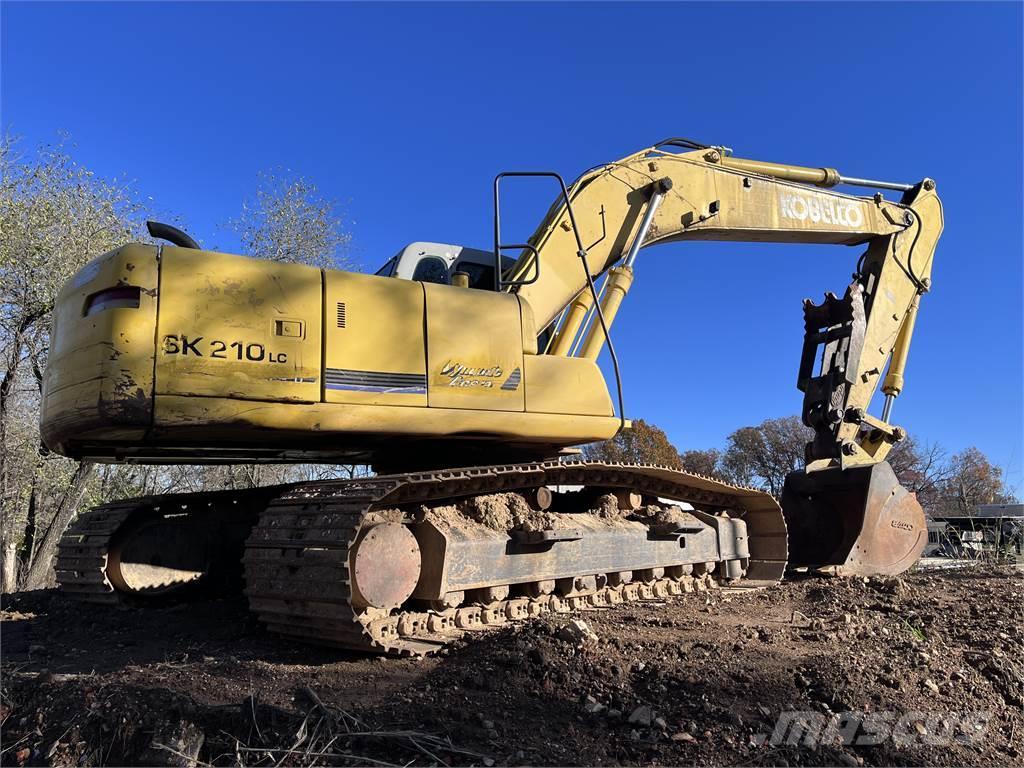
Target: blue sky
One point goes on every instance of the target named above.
(405, 113)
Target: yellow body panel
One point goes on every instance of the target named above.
(238, 327)
(566, 385)
(375, 348)
(321, 426)
(100, 372)
(259, 360)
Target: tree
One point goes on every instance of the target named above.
(703, 462)
(643, 443)
(289, 221)
(762, 456)
(971, 479)
(921, 468)
(55, 215)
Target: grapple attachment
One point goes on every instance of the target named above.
(860, 522)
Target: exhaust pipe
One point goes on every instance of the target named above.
(173, 235)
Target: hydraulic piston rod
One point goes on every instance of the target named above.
(620, 278)
(819, 177)
(893, 383)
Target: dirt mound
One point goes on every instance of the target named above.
(499, 512)
(706, 679)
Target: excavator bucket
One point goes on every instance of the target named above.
(857, 522)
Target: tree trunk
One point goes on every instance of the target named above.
(41, 568)
(9, 571)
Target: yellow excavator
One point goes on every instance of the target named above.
(466, 379)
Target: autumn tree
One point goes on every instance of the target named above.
(971, 479)
(643, 443)
(762, 456)
(921, 468)
(702, 462)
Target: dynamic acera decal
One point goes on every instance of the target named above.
(460, 375)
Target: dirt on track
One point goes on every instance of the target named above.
(698, 679)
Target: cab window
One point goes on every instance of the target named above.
(431, 270)
(480, 275)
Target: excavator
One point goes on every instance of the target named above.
(468, 380)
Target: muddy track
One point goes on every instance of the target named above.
(296, 557)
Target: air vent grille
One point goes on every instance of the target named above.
(341, 314)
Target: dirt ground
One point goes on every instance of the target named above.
(698, 679)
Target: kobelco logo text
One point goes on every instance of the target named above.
(825, 210)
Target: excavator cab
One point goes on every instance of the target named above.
(441, 263)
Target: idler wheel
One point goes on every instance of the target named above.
(385, 566)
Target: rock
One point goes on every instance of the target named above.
(661, 723)
(683, 736)
(592, 705)
(488, 762)
(845, 758)
(614, 714)
(36, 650)
(642, 715)
(577, 632)
(488, 725)
(931, 685)
(634, 735)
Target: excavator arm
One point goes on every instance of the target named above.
(657, 196)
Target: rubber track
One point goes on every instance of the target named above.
(297, 556)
